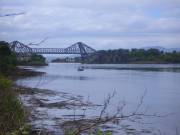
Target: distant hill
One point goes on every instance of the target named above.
(162, 48)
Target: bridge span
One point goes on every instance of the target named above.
(21, 49)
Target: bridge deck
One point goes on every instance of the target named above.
(55, 51)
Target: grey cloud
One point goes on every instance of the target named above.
(114, 22)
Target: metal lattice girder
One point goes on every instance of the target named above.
(20, 49)
(77, 48)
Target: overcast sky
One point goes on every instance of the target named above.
(102, 24)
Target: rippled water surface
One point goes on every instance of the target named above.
(129, 81)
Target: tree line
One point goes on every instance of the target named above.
(119, 56)
(8, 60)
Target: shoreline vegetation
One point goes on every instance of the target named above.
(14, 119)
(33, 60)
(126, 56)
(14, 115)
(133, 56)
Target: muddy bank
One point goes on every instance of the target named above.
(41, 103)
(56, 113)
(70, 102)
(20, 73)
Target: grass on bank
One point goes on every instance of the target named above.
(97, 132)
(12, 114)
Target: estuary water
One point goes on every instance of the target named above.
(159, 85)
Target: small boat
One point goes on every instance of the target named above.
(81, 68)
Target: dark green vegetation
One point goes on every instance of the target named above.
(133, 56)
(7, 59)
(33, 60)
(12, 118)
(12, 115)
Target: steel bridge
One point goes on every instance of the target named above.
(22, 50)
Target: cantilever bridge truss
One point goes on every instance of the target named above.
(24, 50)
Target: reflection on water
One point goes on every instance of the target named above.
(72, 77)
(128, 80)
(139, 67)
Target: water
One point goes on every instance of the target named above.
(161, 83)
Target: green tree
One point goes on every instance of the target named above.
(7, 59)
(133, 56)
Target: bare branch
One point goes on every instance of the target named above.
(177, 131)
(13, 14)
(36, 44)
(106, 103)
(84, 113)
(140, 103)
(136, 116)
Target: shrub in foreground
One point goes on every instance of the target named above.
(12, 116)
